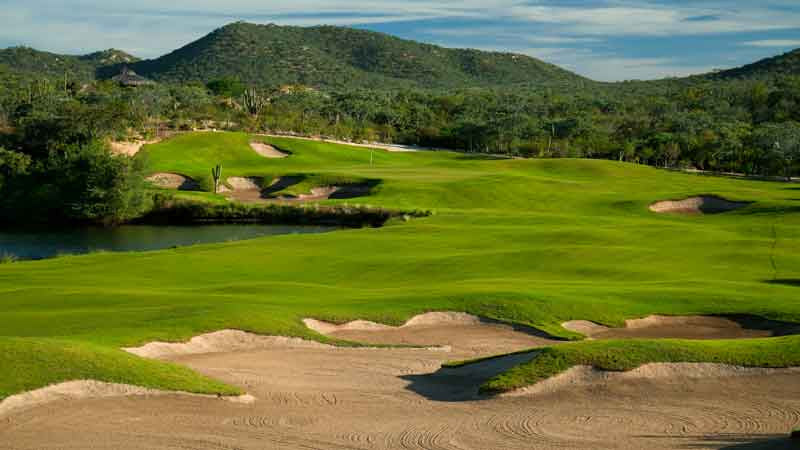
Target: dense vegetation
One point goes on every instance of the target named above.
(57, 167)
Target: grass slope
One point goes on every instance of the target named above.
(628, 355)
(531, 241)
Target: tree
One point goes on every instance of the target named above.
(226, 87)
(782, 142)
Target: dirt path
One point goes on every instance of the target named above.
(313, 396)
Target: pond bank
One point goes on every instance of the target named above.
(183, 212)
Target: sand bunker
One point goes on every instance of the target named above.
(130, 148)
(686, 327)
(706, 204)
(427, 319)
(449, 329)
(251, 190)
(173, 181)
(672, 373)
(267, 150)
(220, 341)
(331, 192)
(245, 183)
(86, 389)
(390, 398)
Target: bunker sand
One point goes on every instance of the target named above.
(704, 204)
(686, 327)
(267, 151)
(317, 396)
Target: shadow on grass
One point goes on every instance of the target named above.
(785, 282)
(459, 384)
(281, 184)
(768, 210)
(483, 157)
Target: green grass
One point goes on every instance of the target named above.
(536, 242)
(628, 355)
(32, 363)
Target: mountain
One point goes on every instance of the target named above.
(24, 61)
(781, 65)
(327, 56)
(337, 57)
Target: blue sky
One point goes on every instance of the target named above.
(601, 39)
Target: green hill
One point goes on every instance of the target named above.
(26, 61)
(326, 56)
(781, 65)
(334, 57)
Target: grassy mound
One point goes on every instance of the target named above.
(537, 242)
(628, 355)
(33, 363)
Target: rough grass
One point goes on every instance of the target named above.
(536, 242)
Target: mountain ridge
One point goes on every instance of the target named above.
(330, 57)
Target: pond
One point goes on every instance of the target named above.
(38, 243)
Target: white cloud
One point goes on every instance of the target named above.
(651, 20)
(769, 43)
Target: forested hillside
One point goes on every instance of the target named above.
(769, 68)
(337, 57)
(28, 62)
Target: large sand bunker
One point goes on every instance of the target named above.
(267, 151)
(389, 398)
(705, 204)
(173, 181)
(219, 341)
(478, 334)
(686, 327)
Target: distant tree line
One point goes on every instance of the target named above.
(54, 131)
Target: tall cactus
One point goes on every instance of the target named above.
(253, 102)
(216, 173)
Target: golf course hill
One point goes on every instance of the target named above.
(557, 249)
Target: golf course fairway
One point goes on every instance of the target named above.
(530, 242)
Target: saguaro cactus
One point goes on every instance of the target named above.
(216, 173)
(253, 102)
